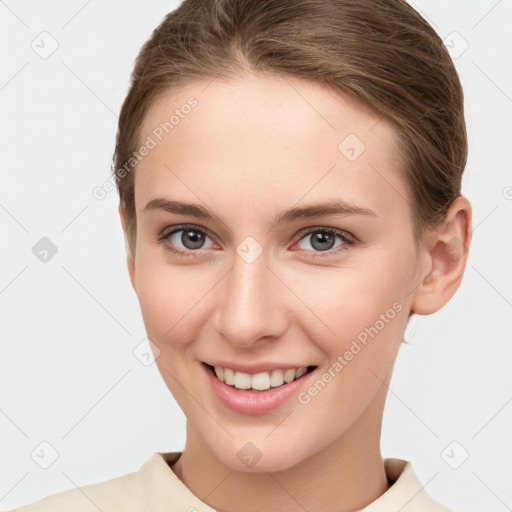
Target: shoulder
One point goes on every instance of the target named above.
(406, 492)
(124, 493)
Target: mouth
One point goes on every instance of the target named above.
(259, 382)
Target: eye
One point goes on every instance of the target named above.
(188, 240)
(325, 240)
(185, 240)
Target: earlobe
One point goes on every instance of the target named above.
(130, 261)
(447, 256)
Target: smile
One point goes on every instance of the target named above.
(261, 381)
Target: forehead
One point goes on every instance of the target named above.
(264, 105)
(265, 135)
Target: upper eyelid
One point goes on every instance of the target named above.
(176, 229)
(337, 231)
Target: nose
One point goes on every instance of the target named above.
(251, 304)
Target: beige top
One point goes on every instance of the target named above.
(156, 488)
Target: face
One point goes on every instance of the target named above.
(299, 253)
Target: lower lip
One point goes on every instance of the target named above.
(253, 403)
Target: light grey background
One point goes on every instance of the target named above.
(69, 326)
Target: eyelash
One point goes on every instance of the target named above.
(347, 239)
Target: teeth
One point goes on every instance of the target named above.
(260, 381)
(229, 376)
(242, 380)
(276, 378)
(289, 375)
(219, 372)
(300, 372)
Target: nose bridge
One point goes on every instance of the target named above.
(250, 305)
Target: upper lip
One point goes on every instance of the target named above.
(253, 368)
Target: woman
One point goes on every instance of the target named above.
(289, 177)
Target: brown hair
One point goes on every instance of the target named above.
(382, 52)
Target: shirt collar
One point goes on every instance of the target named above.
(164, 489)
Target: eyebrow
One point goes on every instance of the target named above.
(333, 207)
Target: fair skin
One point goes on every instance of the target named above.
(253, 147)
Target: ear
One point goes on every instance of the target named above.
(130, 260)
(446, 254)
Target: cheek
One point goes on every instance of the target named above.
(366, 317)
(170, 299)
(367, 304)
(170, 302)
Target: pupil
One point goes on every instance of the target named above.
(323, 241)
(194, 240)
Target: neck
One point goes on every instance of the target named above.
(346, 475)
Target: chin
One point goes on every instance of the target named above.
(250, 459)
